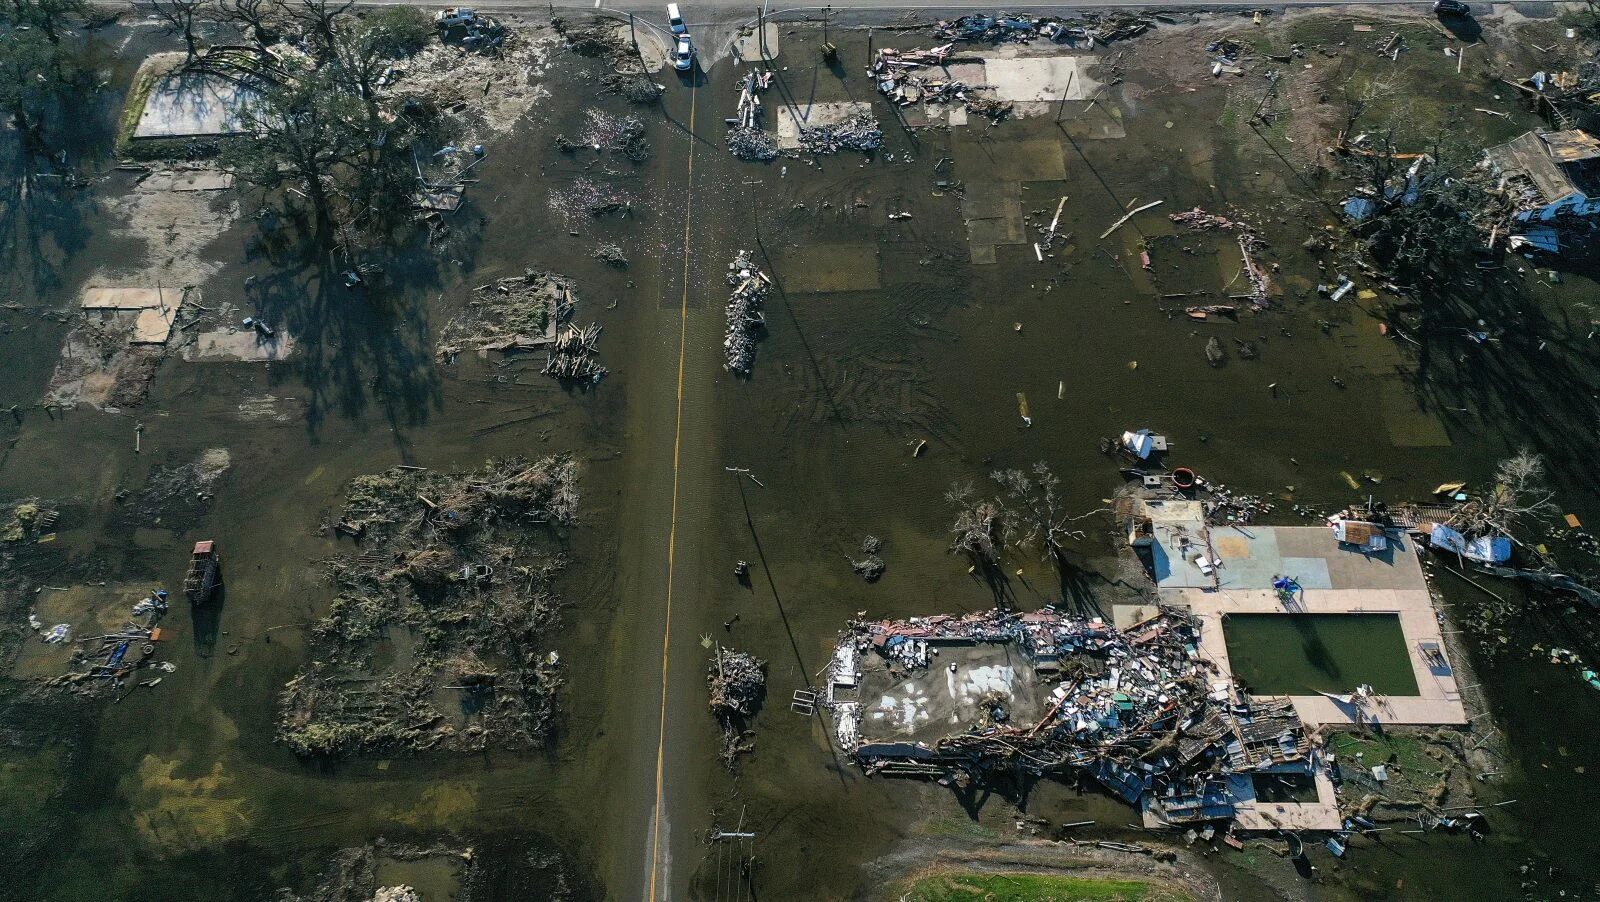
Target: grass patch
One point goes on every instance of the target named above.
(987, 887)
(1407, 752)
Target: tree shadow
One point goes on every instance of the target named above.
(359, 347)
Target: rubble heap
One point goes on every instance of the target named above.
(1136, 710)
(745, 136)
(517, 313)
(737, 682)
(859, 132)
(605, 133)
(459, 566)
(574, 356)
(749, 143)
(745, 319)
(1102, 29)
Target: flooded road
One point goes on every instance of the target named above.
(881, 334)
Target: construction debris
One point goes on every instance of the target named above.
(453, 582)
(752, 143)
(573, 356)
(1045, 692)
(859, 132)
(1004, 28)
(518, 313)
(737, 682)
(745, 319)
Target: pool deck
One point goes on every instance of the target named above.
(1335, 580)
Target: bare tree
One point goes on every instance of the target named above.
(180, 17)
(1519, 494)
(977, 525)
(260, 19)
(1035, 503)
(318, 17)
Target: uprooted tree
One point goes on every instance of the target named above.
(1037, 518)
(1428, 202)
(1520, 494)
(976, 530)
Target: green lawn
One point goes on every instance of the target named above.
(985, 887)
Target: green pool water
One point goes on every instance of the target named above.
(1299, 654)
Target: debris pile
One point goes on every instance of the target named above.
(893, 70)
(633, 87)
(518, 313)
(1136, 710)
(435, 639)
(1005, 28)
(871, 567)
(745, 138)
(737, 682)
(612, 254)
(111, 660)
(587, 197)
(859, 132)
(751, 143)
(607, 133)
(573, 357)
(745, 319)
(602, 39)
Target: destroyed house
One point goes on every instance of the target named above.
(1554, 175)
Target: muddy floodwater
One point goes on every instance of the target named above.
(882, 333)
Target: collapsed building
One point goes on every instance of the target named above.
(1140, 710)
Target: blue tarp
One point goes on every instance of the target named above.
(1359, 208)
(1483, 549)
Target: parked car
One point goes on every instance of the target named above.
(1451, 8)
(683, 54)
(675, 20)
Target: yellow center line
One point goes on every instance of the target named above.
(672, 534)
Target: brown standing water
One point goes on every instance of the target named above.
(881, 334)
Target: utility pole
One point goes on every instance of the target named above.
(761, 31)
(633, 35)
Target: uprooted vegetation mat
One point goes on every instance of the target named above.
(437, 639)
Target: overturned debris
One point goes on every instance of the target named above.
(745, 319)
(737, 682)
